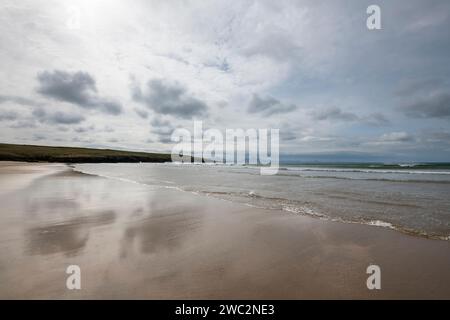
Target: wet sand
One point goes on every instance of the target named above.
(134, 241)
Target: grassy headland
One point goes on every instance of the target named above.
(31, 153)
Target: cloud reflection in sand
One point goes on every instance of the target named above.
(68, 237)
(159, 232)
(61, 213)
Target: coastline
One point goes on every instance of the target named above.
(137, 241)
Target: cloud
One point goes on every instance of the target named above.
(287, 135)
(78, 88)
(158, 122)
(392, 139)
(439, 137)
(38, 137)
(24, 124)
(18, 100)
(65, 118)
(396, 137)
(141, 113)
(84, 129)
(8, 115)
(268, 106)
(376, 119)
(164, 139)
(434, 106)
(163, 129)
(275, 45)
(317, 139)
(169, 99)
(334, 113)
(411, 87)
(57, 117)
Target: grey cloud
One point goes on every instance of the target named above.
(18, 100)
(157, 122)
(57, 117)
(441, 136)
(84, 129)
(24, 124)
(334, 113)
(268, 106)
(38, 137)
(141, 113)
(220, 63)
(110, 107)
(8, 115)
(376, 119)
(163, 129)
(396, 137)
(170, 99)
(412, 87)
(167, 131)
(39, 113)
(108, 129)
(77, 139)
(176, 57)
(287, 135)
(287, 132)
(275, 45)
(78, 88)
(65, 118)
(434, 106)
(164, 139)
(435, 137)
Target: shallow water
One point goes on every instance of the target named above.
(412, 199)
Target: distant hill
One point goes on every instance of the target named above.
(30, 153)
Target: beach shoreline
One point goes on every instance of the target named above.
(134, 241)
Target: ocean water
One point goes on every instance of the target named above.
(410, 198)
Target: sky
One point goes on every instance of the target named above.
(124, 74)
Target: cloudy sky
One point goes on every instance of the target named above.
(124, 74)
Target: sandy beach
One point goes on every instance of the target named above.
(135, 241)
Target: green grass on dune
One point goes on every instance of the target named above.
(31, 153)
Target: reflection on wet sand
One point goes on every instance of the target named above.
(68, 237)
(161, 231)
(59, 211)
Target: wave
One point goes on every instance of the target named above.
(367, 170)
(74, 168)
(305, 209)
(274, 203)
(285, 173)
(377, 179)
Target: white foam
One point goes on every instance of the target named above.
(379, 223)
(367, 170)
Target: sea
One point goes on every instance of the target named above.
(413, 198)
